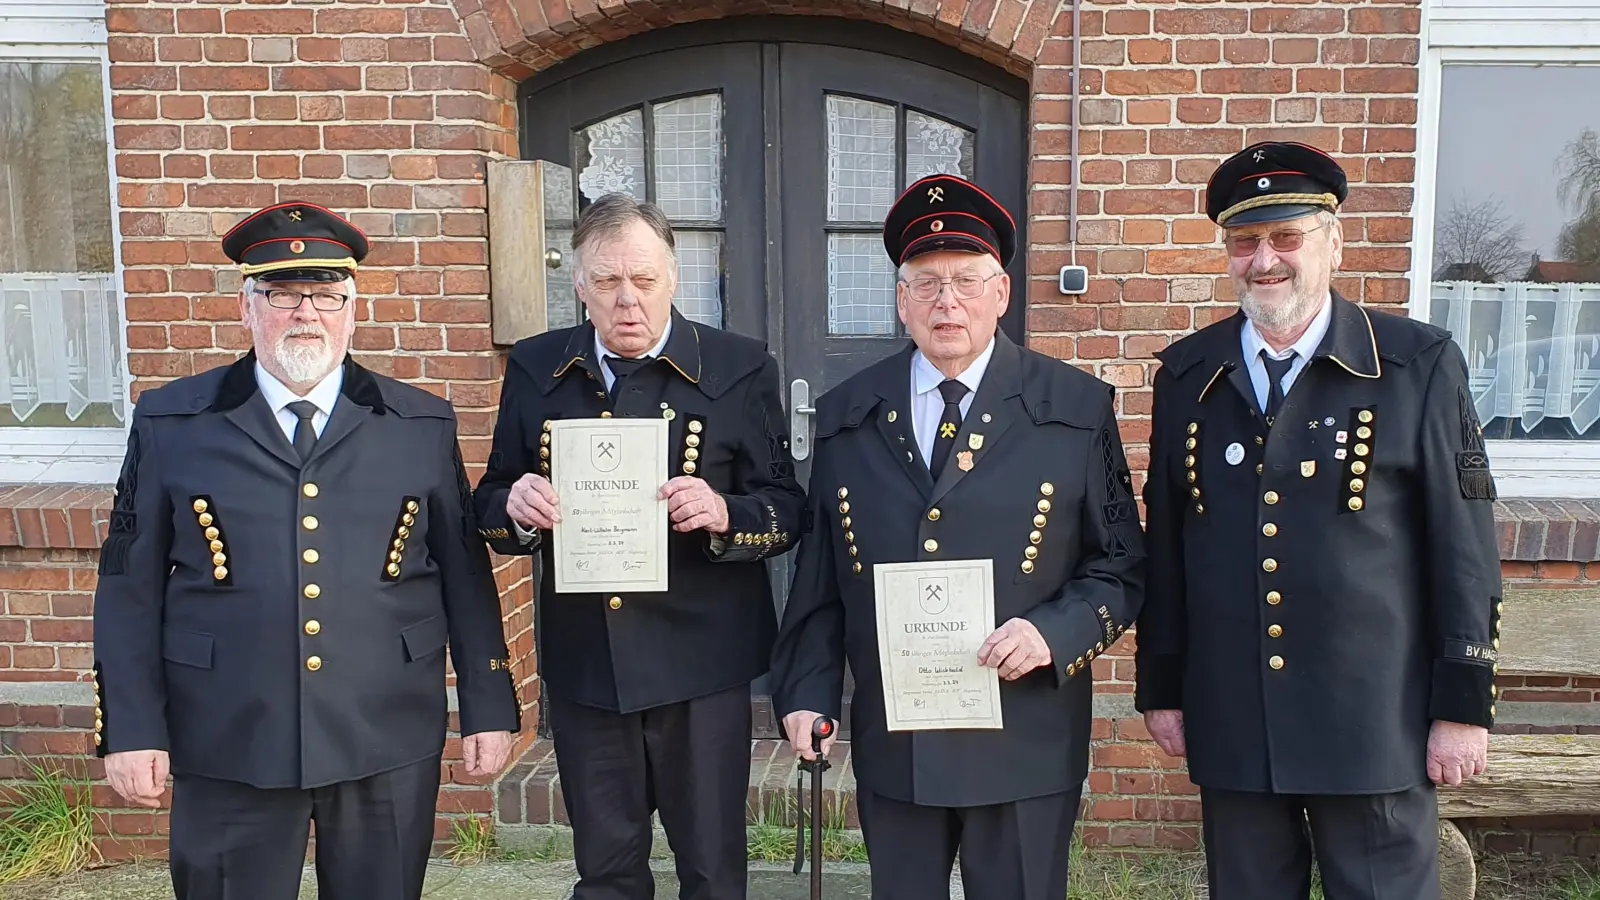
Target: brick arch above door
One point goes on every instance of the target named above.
(520, 37)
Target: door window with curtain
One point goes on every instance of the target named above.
(669, 152)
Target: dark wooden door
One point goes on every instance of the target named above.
(776, 146)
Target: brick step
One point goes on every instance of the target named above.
(530, 792)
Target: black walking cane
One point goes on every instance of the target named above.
(820, 729)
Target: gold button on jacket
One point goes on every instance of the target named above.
(279, 635)
(1037, 483)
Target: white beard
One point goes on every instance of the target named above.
(302, 362)
(1298, 307)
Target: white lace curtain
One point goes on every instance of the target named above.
(1533, 350)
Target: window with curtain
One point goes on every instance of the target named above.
(60, 327)
(1515, 268)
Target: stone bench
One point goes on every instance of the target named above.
(1543, 632)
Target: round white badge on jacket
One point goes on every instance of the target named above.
(1235, 453)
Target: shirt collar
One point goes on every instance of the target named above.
(601, 351)
(927, 377)
(278, 395)
(1307, 345)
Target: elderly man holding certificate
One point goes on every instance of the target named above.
(646, 459)
(974, 545)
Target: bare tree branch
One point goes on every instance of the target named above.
(1480, 236)
(1579, 165)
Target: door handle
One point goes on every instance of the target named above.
(800, 412)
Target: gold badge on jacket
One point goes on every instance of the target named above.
(975, 441)
(1308, 468)
(964, 460)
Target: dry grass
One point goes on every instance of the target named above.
(46, 827)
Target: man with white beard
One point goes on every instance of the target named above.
(292, 547)
(1319, 631)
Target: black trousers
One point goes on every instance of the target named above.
(1367, 847)
(231, 841)
(689, 761)
(1009, 851)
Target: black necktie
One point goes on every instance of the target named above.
(622, 367)
(949, 423)
(305, 436)
(1276, 369)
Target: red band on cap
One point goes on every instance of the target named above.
(944, 215)
(958, 236)
(317, 240)
(1265, 174)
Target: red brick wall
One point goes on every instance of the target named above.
(389, 110)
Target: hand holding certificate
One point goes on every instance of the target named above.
(933, 618)
(612, 533)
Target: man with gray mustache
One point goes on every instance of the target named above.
(1319, 633)
(292, 547)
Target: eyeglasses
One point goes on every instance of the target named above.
(1288, 241)
(965, 287)
(323, 301)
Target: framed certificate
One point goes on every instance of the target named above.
(612, 536)
(932, 619)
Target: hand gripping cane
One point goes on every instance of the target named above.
(820, 729)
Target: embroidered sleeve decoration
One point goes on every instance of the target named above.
(402, 531)
(1472, 462)
(1358, 462)
(124, 522)
(205, 513)
(1119, 508)
(779, 466)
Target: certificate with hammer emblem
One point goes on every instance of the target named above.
(932, 619)
(612, 535)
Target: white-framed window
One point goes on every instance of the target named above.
(1507, 236)
(64, 406)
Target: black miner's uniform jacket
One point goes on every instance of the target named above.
(251, 617)
(713, 629)
(1047, 497)
(1314, 605)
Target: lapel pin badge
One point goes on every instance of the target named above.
(1339, 453)
(975, 441)
(1328, 421)
(1341, 436)
(964, 460)
(892, 416)
(987, 418)
(1235, 453)
(1308, 468)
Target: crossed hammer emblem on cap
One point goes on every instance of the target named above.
(936, 194)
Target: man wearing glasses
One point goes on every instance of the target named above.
(963, 446)
(1319, 635)
(291, 549)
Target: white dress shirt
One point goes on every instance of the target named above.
(1253, 343)
(601, 352)
(278, 398)
(927, 404)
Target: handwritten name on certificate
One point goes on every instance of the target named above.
(613, 531)
(932, 618)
